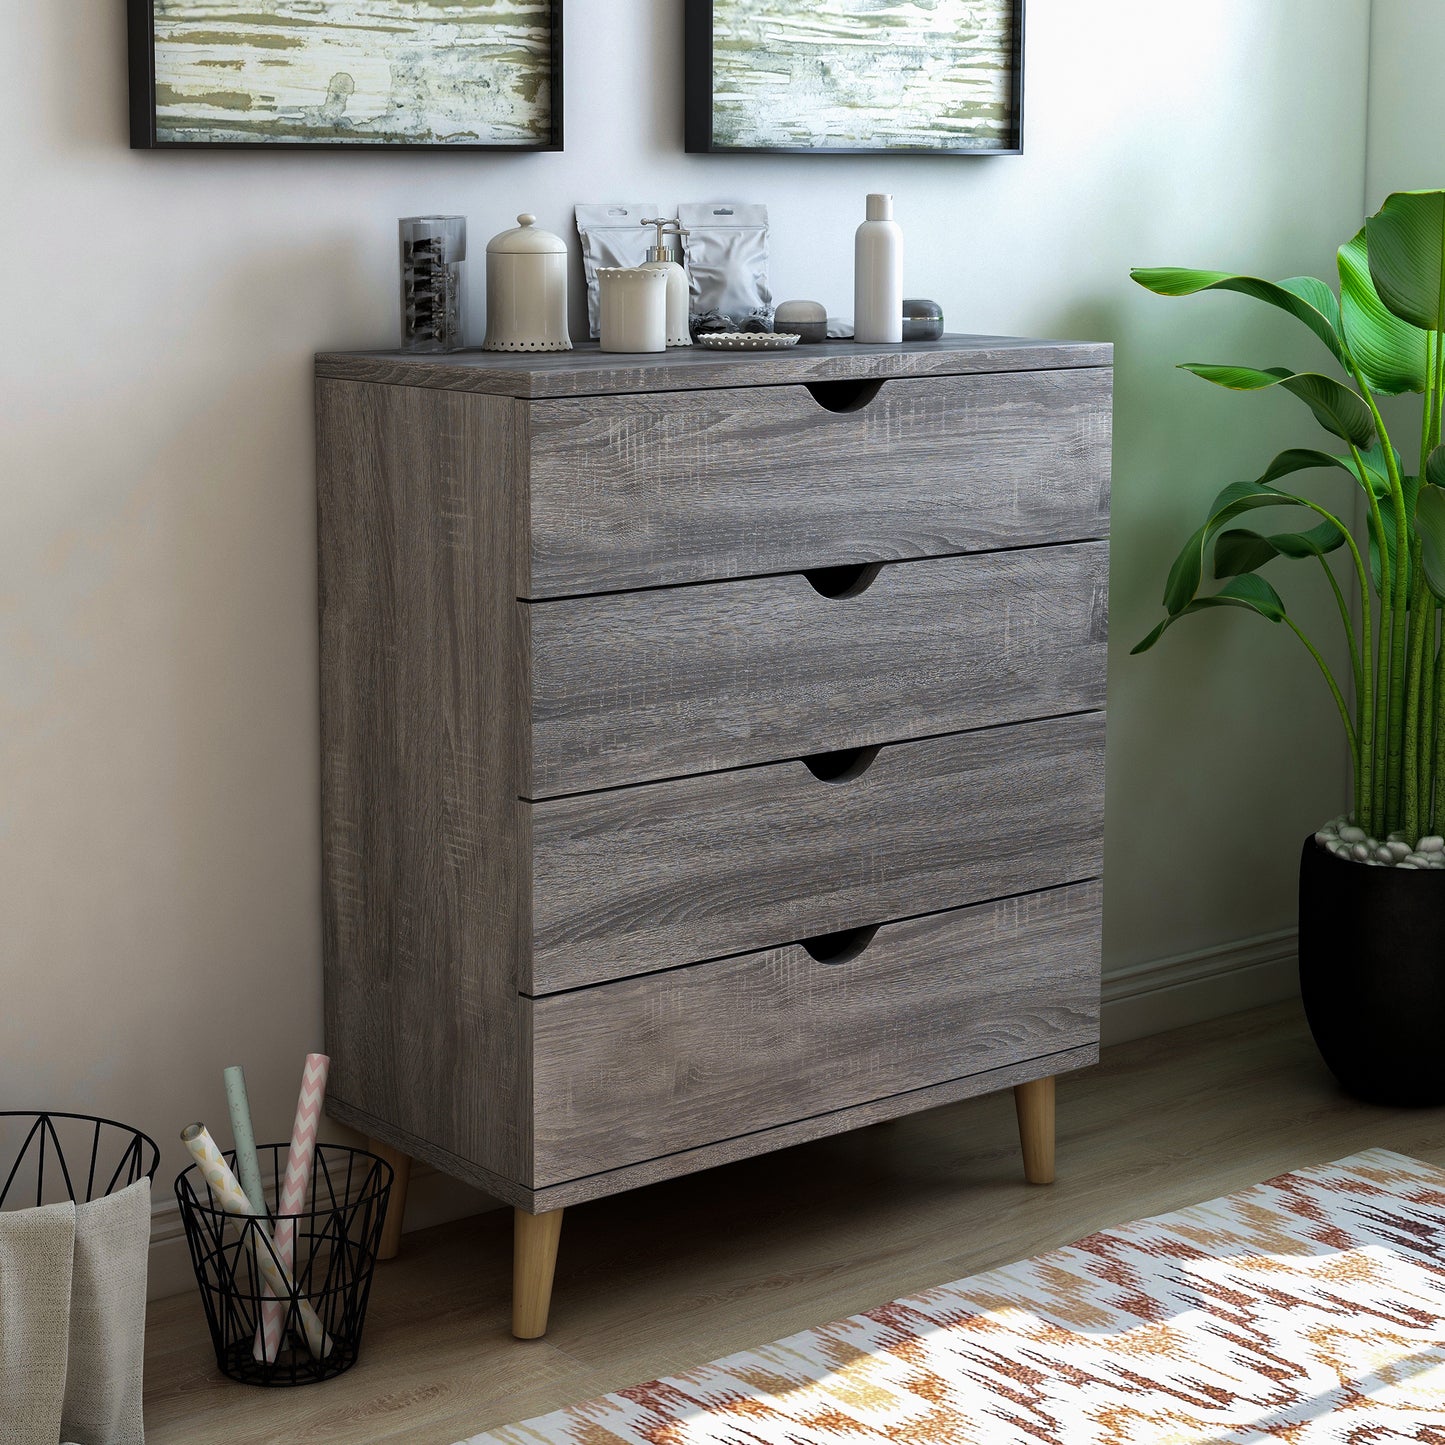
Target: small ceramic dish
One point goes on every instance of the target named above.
(746, 340)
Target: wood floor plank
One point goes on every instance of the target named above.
(676, 1274)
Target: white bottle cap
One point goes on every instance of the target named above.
(880, 206)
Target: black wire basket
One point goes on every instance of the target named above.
(48, 1157)
(335, 1241)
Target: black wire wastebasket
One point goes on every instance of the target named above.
(49, 1157)
(335, 1242)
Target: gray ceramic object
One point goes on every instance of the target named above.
(922, 319)
(807, 320)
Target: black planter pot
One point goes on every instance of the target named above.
(1372, 975)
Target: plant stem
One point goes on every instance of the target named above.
(1410, 811)
(1437, 399)
(1360, 743)
(1329, 678)
(1356, 668)
(1379, 682)
(1429, 687)
(1361, 773)
(1370, 760)
(1427, 412)
(1395, 718)
(1438, 792)
(1424, 662)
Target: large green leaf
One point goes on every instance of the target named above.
(1435, 467)
(1406, 241)
(1249, 591)
(1306, 298)
(1430, 524)
(1374, 474)
(1241, 550)
(1185, 575)
(1338, 409)
(1390, 352)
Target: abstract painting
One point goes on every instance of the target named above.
(930, 77)
(467, 74)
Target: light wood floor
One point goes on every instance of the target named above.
(673, 1275)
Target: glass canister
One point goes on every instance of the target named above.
(432, 251)
(527, 290)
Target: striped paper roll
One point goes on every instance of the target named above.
(293, 1193)
(227, 1192)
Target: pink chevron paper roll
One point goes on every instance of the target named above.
(293, 1193)
(227, 1191)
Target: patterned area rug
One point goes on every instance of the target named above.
(1307, 1309)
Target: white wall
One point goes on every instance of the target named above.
(1407, 102)
(158, 313)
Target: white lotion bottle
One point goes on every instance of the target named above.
(662, 258)
(878, 274)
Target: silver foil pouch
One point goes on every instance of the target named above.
(612, 234)
(726, 246)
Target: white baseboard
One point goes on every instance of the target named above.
(1152, 998)
(1149, 998)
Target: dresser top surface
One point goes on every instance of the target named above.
(587, 370)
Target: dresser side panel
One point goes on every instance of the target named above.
(426, 850)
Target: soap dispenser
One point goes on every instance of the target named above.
(664, 257)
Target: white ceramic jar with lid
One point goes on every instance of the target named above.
(527, 290)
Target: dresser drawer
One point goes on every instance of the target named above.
(658, 488)
(643, 878)
(682, 680)
(631, 1070)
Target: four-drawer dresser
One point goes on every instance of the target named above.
(712, 752)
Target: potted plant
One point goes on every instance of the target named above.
(1372, 883)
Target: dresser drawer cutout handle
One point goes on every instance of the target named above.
(841, 766)
(843, 395)
(841, 947)
(847, 581)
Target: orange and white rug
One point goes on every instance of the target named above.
(1307, 1309)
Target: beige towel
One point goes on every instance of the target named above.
(108, 1319)
(72, 1320)
(36, 1247)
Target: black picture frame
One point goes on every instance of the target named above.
(140, 38)
(698, 101)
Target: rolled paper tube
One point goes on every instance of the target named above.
(293, 1192)
(248, 1165)
(227, 1191)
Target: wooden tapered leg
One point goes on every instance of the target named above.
(1035, 1105)
(534, 1258)
(396, 1205)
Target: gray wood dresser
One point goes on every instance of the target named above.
(713, 752)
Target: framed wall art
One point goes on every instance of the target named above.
(855, 77)
(346, 74)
